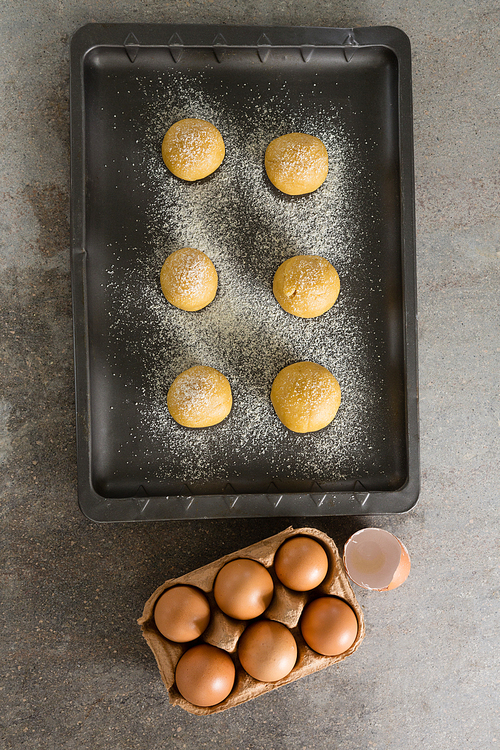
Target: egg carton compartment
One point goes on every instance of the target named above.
(224, 632)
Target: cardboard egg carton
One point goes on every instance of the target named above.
(223, 631)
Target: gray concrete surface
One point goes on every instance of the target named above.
(75, 670)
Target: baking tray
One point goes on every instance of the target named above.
(351, 88)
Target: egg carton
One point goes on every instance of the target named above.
(223, 631)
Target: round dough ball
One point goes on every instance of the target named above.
(188, 279)
(306, 285)
(296, 163)
(192, 149)
(305, 396)
(199, 397)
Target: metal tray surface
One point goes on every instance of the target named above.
(352, 89)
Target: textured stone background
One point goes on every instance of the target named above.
(75, 670)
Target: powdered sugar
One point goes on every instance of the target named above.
(247, 229)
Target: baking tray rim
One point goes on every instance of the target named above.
(353, 502)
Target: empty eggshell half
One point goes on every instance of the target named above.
(376, 560)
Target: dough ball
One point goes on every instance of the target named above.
(188, 279)
(296, 163)
(305, 396)
(306, 285)
(199, 397)
(192, 149)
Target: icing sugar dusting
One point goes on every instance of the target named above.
(247, 229)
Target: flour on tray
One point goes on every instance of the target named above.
(247, 229)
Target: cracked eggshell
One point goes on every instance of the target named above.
(376, 560)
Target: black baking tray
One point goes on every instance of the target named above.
(350, 87)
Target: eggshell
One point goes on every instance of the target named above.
(301, 563)
(329, 625)
(205, 675)
(403, 569)
(182, 613)
(376, 560)
(243, 589)
(267, 650)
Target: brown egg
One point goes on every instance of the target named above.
(205, 675)
(182, 613)
(243, 589)
(329, 625)
(376, 560)
(267, 651)
(301, 563)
